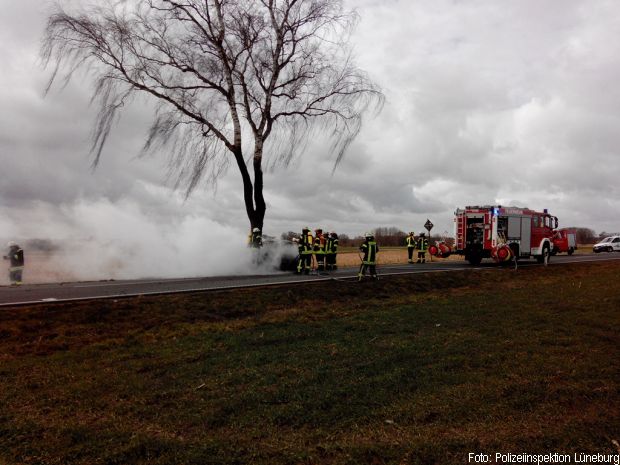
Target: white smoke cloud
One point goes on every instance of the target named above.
(98, 240)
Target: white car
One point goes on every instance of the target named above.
(609, 244)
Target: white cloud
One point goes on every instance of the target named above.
(486, 102)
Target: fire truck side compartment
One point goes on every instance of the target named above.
(514, 228)
(526, 235)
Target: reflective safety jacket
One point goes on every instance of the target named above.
(332, 245)
(370, 249)
(423, 244)
(15, 257)
(305, 243)
(410, 241)
(256, 240)
(319, 245)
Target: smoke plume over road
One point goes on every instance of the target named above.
(104, 240)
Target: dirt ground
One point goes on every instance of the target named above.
(385, 257)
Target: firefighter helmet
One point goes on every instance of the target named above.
(255, 230)
(11, 244)
(368, 235)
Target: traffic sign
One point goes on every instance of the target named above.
(428, 225)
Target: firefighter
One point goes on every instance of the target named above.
(370, 249)
(319, 249)
(15, 256)
(411, 243)
(422, 248)
(331, 250)
(325, 244)
(256, 239)
(305, 251)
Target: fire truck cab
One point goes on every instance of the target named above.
(564, 240)
(503, 233)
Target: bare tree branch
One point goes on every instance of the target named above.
(227, 75)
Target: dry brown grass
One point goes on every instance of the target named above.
(388, 257)
(395, 256)
(398, 371)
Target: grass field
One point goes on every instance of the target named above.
(411, 369)
(349, 256)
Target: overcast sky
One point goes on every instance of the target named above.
(511, 102)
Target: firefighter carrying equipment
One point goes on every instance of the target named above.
(370, 249)
(255, 239)
(410, 241)
(331, 249)
(15, 256)
(422, 248)
(304, 262)
(319, 249)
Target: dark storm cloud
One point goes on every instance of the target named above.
(487, 102)
(502, 101)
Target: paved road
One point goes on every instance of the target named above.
(38, 293)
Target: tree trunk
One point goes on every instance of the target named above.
(252, 192)
(259, 200)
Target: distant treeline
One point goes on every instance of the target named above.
(387, 237)
(588, 236)
(394, 237)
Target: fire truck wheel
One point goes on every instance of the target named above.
(544, 258)
(571, 251)
(474, 260)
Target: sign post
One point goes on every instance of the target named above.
(428, 226)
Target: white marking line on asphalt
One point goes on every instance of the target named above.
(126, 283)
(221, 288)
(182, 291)
(313, 279)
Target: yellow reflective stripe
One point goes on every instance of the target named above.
(372, 252)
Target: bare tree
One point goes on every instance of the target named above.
(229, 76)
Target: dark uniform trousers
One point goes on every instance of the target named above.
(369, 262)
(410, 248)
(16, 259)
(304, 265)
(330, 253)
(422, 247)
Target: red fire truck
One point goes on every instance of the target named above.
(503, 233)
(564, 240)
